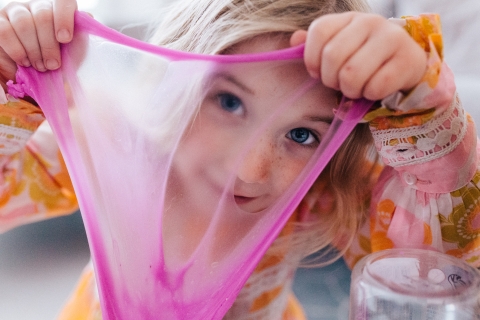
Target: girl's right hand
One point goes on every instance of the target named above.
(362, 55)
(30, 34)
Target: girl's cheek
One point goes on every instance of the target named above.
(286, 171)
(207, 142)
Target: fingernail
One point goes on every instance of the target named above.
(40, 66)
(63, 35)
(52, 64)
(26, 63)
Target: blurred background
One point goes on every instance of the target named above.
(40, 263)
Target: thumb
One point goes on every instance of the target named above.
(298, 37)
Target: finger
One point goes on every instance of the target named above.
(319, 33)
(63, 14)
(388, 79)
(42, 13)
(384, 82)
(417, 60)
(354, 74)
(11, 47)
(22, 23)
(340, 48)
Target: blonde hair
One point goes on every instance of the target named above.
(212, 26)
(215, 26)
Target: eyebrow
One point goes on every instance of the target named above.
(235, 81)
(230, 78)
(326, 119)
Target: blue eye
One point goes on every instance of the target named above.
(302, 136)
(230, 103)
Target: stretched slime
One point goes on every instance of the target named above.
(168, 238)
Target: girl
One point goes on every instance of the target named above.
(358, 54)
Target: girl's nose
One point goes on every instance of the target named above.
(256, 166)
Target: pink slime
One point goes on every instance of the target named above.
(133, 278)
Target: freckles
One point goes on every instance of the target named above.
(287, 171)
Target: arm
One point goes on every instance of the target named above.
(425, 197)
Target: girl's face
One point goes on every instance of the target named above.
(240, 100)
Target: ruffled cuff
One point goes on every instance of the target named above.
(18, 121)
(434, 92)
(425, 134)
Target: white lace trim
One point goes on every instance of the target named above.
(420, 144)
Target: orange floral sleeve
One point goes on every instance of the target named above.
(34, 182)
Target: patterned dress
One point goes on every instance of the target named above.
(426, 196)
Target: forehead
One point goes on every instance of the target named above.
(277, 80)
(263, 43)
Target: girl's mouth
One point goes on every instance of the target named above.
(243, 200)
(250, 204)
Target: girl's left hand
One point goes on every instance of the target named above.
(362, 55)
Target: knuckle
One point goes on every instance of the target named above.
(372, 93)
(319, 28)
(329, 53)
(316, 24)
(373, 21)
(15, 11)
(347, 16)
(5, 30)
(13, 5)
(22, 25)
(43, 15)
(20, 20)
(401, 37)
(378, 88)
(348, 74)
(352, 14)
(41, 3)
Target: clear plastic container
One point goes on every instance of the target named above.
(414, 284)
